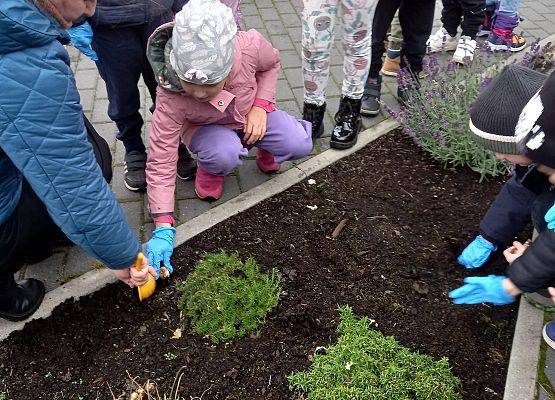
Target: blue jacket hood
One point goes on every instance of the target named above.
(23, 24)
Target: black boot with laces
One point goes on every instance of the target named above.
(348, 124)
(315, 115)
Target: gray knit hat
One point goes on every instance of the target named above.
(494, 115)
(203, 42)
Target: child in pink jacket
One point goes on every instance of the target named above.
(216, 92)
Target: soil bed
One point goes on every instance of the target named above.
(394, 261)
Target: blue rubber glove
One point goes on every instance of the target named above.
(476, 253)
(81, 38)
(159, 248)
(482, 289)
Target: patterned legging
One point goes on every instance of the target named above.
(319, 17)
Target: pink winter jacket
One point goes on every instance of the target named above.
(253, 76)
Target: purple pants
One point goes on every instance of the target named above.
(219, 149)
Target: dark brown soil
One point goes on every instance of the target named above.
(394, 261)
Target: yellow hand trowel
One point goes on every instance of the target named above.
(146, 289)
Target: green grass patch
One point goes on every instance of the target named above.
(225, 297)
(366, 365)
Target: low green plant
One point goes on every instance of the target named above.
(225, 297)
(366, 365)
(170, 356)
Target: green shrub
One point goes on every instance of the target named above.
(366, 365)
(226, 298)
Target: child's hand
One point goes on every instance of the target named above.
(255, 126)
(515, 251)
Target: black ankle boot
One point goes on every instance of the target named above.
(18, 301)
(349, 123)
(186, 165)
(315, 115)
(371, 98)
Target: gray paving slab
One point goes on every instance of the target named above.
(47, 271)
(77, 263)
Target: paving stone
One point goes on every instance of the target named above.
(275, 27)
(86, 79)
(289, 59)
(119, 155)
(264, 4)
(108, 131)
(295, 33)
(269, 14)
(101, 92)
(283, 91)
(549, 369)
(286, 166)
(251, 176)
(185, 189)
(253, 21)
(291, 20)
(86, 63)
(291, 107)
(189, 209)
(391, 103)
(249, 9)
(47, 270)
(368, 122)
(100, 111)
(231, 190)
(294, 77)
(323, 143)
(119, 189)
(78, 263)
(285, 8)
(87, 99)
(282, 42)
(133, 214)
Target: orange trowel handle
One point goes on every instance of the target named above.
(139, 262)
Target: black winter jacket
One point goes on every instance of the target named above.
(122, 13)
(535, 269)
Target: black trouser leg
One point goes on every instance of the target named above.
(416, 18)
(28, 235)
(385, 11)
(474, 12)
(451, 15)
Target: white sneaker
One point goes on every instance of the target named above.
(441, 40)
(465, 50)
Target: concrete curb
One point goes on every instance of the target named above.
(97, 279)
(525, 354)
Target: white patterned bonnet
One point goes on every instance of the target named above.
(203, 42)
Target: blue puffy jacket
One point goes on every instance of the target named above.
(43, 138)
(119, 13)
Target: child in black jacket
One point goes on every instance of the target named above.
(514, 118)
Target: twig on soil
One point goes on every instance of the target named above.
(379, 180)
(202, 395)
(339, 228)
(177, 380)
(407, 193)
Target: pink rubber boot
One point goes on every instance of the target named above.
(208, 186)
(266, 162)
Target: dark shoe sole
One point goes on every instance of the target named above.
(21, 317)
(369, 113)
(342, 145)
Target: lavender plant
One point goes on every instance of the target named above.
(540, 58)
(436, 117)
